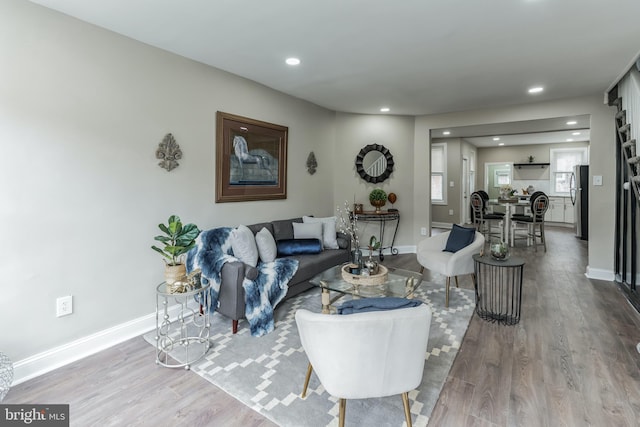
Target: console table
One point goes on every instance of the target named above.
(383, 217)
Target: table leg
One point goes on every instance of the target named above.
(326, 300)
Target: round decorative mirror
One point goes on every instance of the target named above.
(374, 163)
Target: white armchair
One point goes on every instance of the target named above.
(431, 256)
(364, 355)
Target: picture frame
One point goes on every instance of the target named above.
(251, 159)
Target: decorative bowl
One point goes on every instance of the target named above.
(499, 251)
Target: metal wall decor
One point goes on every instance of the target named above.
(312, 164)
(374, 163)
(169, 152)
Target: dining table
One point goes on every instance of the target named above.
(512, 205)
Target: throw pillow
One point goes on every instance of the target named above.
(307, 231)
(290, 247)
(376, 304)
(244, 246)
(267, 249)
(329, 238)
(459, 237)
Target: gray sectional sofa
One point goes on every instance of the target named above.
(231, 299)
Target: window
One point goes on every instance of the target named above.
(502, 177)
(562, 162)
(438, 173)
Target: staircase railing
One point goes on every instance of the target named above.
(628, 145)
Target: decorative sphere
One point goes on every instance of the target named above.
(392, 197)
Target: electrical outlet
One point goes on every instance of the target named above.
(423, 231)
(64, 306)
(450, 211)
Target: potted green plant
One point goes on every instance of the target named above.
(178, 240)
(378, 198)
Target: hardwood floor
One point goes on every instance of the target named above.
(571, 361)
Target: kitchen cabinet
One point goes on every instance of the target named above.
(560, 210)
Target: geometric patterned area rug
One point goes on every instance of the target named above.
(267, 373)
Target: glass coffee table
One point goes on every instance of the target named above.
(400, 283)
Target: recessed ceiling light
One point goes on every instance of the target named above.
(496, 138)
(446, 132)
(572, 122)
(385, 109)
(575, 133)
(501, 144)
(242, 128)
(536, 89)
(569, 139)
(292, 61)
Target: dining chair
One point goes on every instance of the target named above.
(366, 355)
(489, 224)
(533, 224)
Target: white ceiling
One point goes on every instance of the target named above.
(415, 56)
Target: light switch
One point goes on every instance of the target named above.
(597, 180)
(450, 183)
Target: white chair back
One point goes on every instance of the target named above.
(372, 354)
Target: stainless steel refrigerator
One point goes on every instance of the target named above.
(580, 199)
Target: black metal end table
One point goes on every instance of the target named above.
(498, 288)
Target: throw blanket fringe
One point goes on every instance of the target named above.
(213, 250)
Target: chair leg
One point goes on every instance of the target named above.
(343, 409)
(407, 412)
(446, 294)
(306, 381)
(234, 326)
(544, 241)
(456, 277)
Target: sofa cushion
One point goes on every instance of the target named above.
(459, 237)
(329, 240)
(267, 249)
(282, 229)
(290, 247)
(259, 226)
(307, 231)
(244, 246)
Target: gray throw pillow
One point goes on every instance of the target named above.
(266, 244)
(307, 231)
(244, 246)
(329, 238)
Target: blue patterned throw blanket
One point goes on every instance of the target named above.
(262, 295)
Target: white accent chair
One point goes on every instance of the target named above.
(364, 355)
(431, 256)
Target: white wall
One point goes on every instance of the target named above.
(82, 111)
(602, 162)
(355, 131)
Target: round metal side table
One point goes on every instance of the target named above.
(498, 288)
(182, 326)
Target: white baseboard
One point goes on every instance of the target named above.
(446, 225)
(600, 274)
(57, 357)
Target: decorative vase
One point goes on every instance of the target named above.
(356, 257)
(173, 273)
(378, 204)
(499, 251)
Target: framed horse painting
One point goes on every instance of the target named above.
(251, 159)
